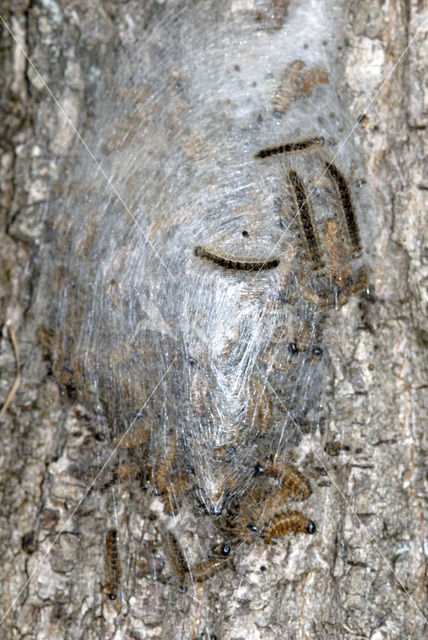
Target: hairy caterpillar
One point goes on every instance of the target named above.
(112, 565)
(292, 147)
(347, 205)
(212, 374)
(208, 568)
(305, 217)
(237, 265)
(165, 465)
(291, 479)
(284, 523)
(175, 555)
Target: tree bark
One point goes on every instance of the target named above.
(366, 573)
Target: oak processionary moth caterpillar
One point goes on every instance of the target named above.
(175, 555)
(237, 265)
(347, 205)
(112, 564)
(216, 374)
(305, 217)
(292, 147)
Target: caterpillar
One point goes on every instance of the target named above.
(292, 147)
(290, 479)
(175, 555)
(237, 265)
(305, 217)
(348, 207)
(113, 568)
(161, 473)
(208, 568)
(284, 523)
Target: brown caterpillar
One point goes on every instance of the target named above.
(292, 522)
(175, 555)
(348, 207)
(305, 217)
(175, 492)
(112, 564)
(237, 265)
(290, 479)
(161, 473)
(208, 568)
(292, 147)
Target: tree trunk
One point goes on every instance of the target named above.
(364, 573)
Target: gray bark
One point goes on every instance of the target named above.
(365, 574)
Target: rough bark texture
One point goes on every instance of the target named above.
(365, 575)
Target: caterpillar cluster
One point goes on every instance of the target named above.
(208, 378)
